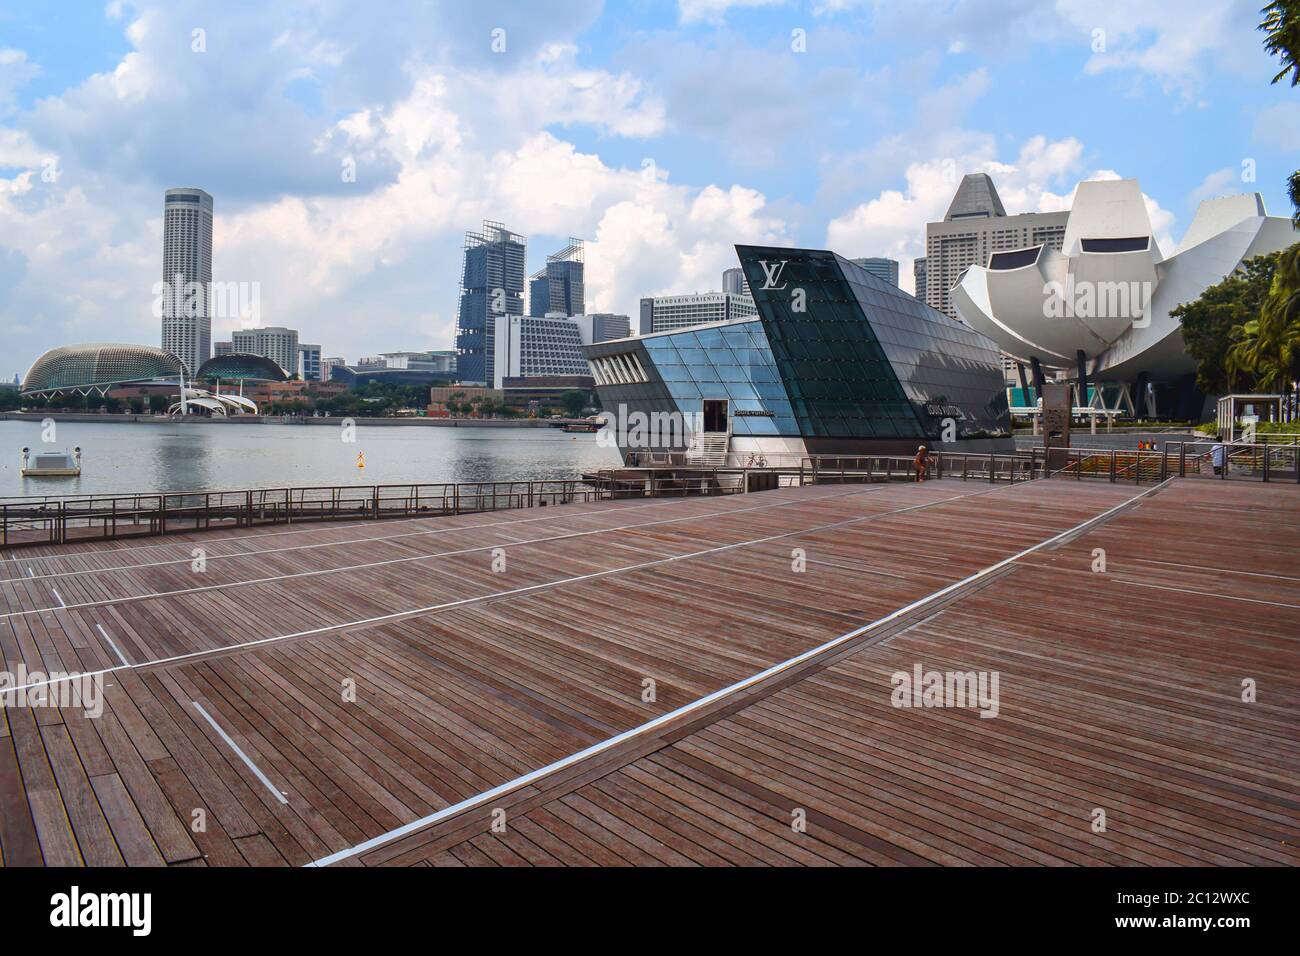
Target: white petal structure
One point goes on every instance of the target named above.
(1109, 292)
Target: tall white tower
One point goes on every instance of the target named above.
(187, 271)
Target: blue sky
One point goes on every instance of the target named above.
(661, 132)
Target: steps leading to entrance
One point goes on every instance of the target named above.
(708, 448)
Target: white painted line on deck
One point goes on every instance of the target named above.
(596, 749)
(1206, 567)
(239, 753)
(495, 595)
(59, 597)
(1209, 594)
(271, 579)
(116, 650)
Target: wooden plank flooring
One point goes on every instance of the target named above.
(362, 676)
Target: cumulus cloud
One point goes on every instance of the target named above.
(544, 131)
(357, 264)
(893, 222)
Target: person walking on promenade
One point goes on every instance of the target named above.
(920, 462)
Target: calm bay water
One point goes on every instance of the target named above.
(173, 456)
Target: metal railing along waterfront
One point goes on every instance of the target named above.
(1273, 461)
(56, 519)
(36, 520)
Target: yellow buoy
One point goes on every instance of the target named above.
(361, 459)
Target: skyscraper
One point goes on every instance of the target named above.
(187, 269)
(918, 276)
(733, 281)
(559, 287)
(491, 285)
(976, 226)
(273, 341)
(886, 269)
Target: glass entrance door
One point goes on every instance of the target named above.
(715, 414)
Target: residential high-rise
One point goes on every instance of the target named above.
(886, 269)
(491, 285)
(665, 312)
(187, 270)
(274, 342)
(918, 276)
(733, 281)
(976, 226)
(558, 289)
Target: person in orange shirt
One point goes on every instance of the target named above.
(920, 462)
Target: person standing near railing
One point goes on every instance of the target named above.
(920, 462)
(1218, 455)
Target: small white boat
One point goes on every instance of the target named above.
(51, 464)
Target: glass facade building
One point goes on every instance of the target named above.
(492, 285)
(837, 361)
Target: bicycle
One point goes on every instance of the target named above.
(756, 461)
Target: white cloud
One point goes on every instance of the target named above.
(714, 11)
(350, 265)
(16, 71)
(1221, 182)
(893, 223)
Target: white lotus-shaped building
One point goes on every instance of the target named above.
(1104, 299)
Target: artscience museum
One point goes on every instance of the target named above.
(1099, 308)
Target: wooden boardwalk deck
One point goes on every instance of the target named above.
(334, 693)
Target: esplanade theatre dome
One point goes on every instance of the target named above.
(97, 367)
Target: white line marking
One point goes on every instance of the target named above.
(116, 650)
(717, 695)
(1213, 594)
(239, 753)
(1205, 567)
(465, 602)
(59, 597)
(270, 579)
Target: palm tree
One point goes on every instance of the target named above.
(1267, 348)
(1281, 23)
(1293, 190)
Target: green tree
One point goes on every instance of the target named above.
(1209, 321)
(574, 402)
(1293, 191)
(1268, 347)
(1281, 26)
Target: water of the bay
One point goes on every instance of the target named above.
(195, 456)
